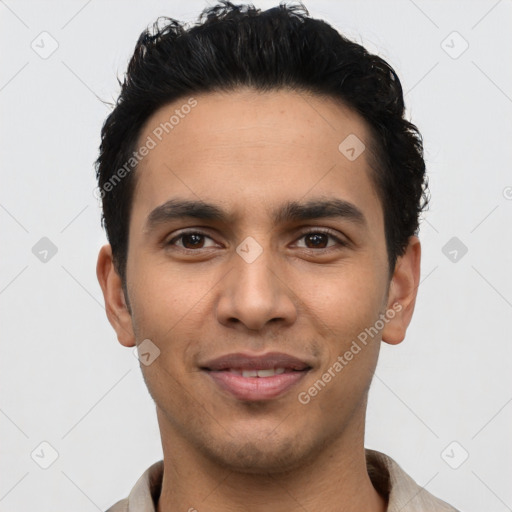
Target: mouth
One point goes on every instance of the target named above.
(256, 378)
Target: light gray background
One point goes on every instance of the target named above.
(67, 381)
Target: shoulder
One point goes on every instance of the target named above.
(120, 506)
(144, 495)
(404, 494)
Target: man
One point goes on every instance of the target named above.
(261, 191)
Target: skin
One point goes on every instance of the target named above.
(249, 153)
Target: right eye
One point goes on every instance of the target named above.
(190, 240)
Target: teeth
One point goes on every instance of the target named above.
(266, 373)
(259, 373)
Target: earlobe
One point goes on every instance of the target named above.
(403, 290)
(116, 308)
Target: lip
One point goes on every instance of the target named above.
(256, 388)
(241, 361)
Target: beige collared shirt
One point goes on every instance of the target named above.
(404, 494)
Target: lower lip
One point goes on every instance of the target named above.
(256, 388)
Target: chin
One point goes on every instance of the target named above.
(260, 457)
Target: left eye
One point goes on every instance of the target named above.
(319, 240)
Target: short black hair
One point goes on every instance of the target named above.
(237, 46)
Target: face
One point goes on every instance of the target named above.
(256, 260)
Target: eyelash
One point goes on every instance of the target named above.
(339, 241)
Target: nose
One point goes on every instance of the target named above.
(255, 295)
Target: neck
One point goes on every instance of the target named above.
(335, 480)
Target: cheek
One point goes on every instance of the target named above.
(162, 298)
(173, 310)
(345, 299)
(345, 308)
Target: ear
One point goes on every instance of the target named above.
(402, 293)
(115, 304)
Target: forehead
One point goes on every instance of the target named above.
(245, 147)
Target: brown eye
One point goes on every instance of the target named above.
(319, 240)
(316, 240)
(192, 240)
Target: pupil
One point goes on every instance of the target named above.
(317, 239)
(193, 240)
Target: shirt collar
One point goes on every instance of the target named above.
(388, 478)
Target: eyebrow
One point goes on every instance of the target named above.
(177, 209)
